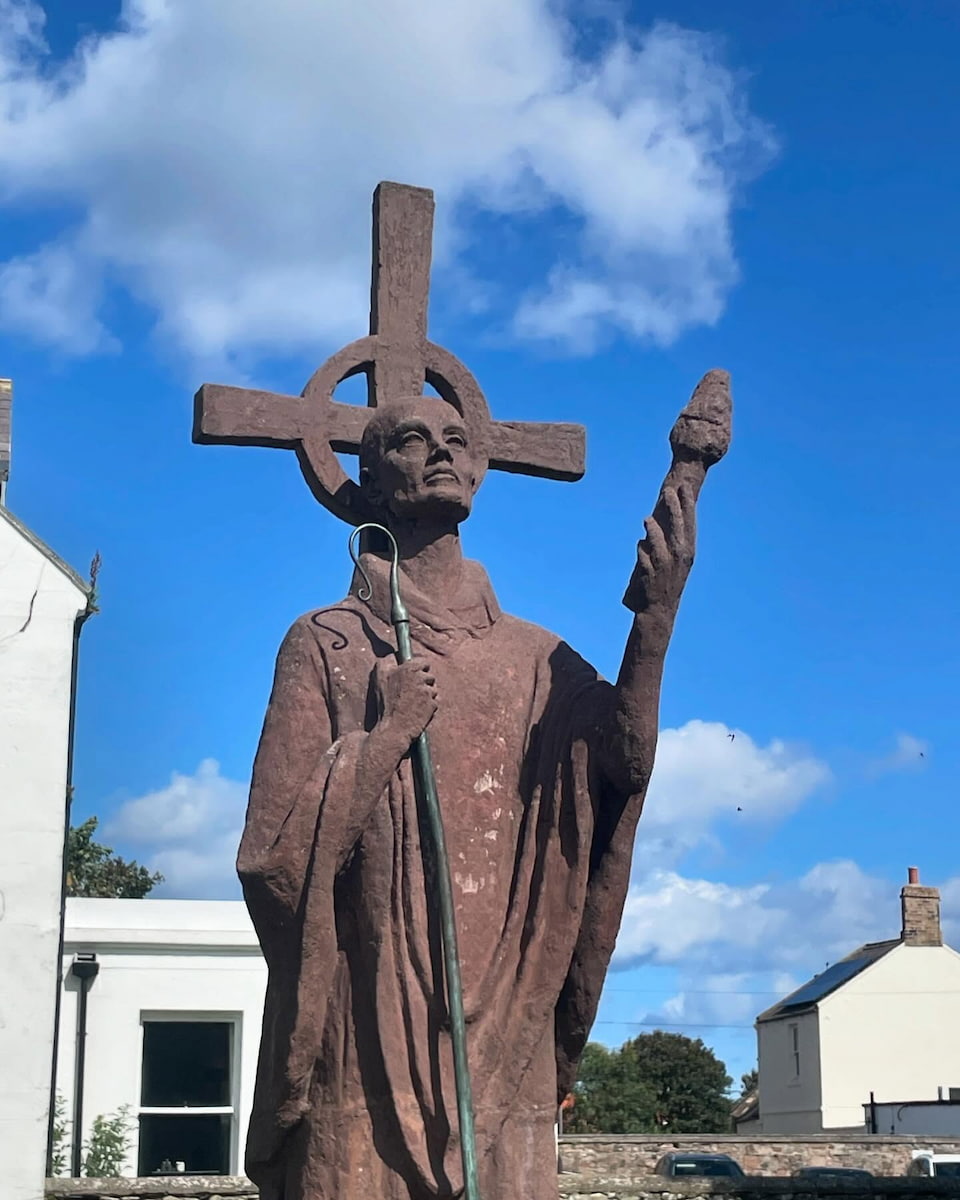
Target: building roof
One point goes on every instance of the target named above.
(747, 1108)
(835, 976)
(45, 550)
(220, 925)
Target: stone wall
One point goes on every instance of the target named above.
(613, 1156)
(571, 1187)
(654, 1188)
(193, 1187)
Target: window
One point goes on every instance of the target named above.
(187, 1096)
(794, 1031)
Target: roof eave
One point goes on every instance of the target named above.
(51, 555)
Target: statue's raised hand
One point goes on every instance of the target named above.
(665, 555)
(699, 438)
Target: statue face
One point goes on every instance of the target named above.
(424, 464)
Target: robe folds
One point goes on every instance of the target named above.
(355, 1093)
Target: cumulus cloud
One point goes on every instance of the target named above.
(908, 754)
(219, 158)
(737, 950)
(188, 831)
(722, 999)
(671, 920)
(707, 772)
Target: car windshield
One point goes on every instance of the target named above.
(705, 1166)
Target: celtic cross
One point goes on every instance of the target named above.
(397, 359)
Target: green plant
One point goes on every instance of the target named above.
(58, 1142)
(94, 870)
(106, 1149)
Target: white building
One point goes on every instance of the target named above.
(43, 603)
(166, 999)
(938, 1118)
(882, 1021)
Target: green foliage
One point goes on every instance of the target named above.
(657, 1083)
(106, 1150)
(94, 870)
(58, 1144)
(610, 1097)
(689, 1080)
(749, 1081)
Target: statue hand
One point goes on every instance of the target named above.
(700, 438)
(409, 698)
(665, 555)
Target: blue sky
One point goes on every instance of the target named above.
(627, 196)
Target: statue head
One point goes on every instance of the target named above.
(417, 461)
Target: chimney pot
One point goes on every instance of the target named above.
(913, 875)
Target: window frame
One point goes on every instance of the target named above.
(793, 1032)
(234, 1020)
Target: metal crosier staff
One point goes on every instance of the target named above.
(426, 784)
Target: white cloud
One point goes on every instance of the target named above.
(909, 754)
(221, 158)
(50, 290)
(668, 918)
(189, 832)
(722, 999)
(706, 773)
(795, 927)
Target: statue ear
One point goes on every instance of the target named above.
(370, 487)
(374, 496)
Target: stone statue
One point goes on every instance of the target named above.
(542, 767)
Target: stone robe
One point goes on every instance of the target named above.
(355, 1093)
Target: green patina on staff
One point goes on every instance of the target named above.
(426, 784)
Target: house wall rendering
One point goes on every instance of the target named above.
(893, 1030)
(40, 602)
(789, 1056)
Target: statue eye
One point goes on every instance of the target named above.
(411, 438)
(457, 439)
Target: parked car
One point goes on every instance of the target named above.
(849, 1174)
(678, 1165)
(944, 1166)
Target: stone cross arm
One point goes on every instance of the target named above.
(398, 360)
(237, 416)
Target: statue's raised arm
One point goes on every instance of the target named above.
(700, 438)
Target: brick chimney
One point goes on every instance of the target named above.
(6, 401)
(921, 913)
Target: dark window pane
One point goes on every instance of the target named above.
(185, 1063)
(201, 1143)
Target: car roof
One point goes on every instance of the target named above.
(697, 1156)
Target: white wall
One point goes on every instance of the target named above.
(789, 1103)
(925, 1120)
(39, 603)
(892, 1030)
(165, 958)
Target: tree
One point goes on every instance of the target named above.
(657, 1083)
(749, 1082)
(609, 1095)
(94, 870)
(689, 1081)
